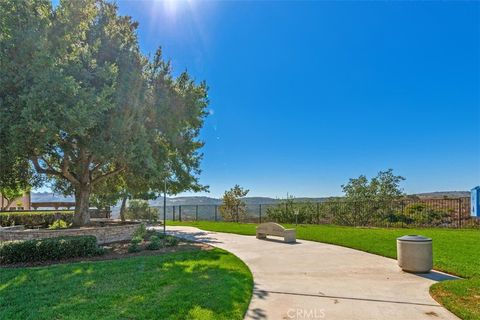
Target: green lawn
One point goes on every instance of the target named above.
(455, 251)
(208, 284)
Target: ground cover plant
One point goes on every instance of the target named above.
(455, 251)
(201, 284)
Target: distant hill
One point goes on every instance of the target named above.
(444, 194)
(202, 200)
(49, 197)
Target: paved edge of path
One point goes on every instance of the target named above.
(315, 280)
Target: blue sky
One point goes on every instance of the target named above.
(305, 95)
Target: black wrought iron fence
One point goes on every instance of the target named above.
(407, 212)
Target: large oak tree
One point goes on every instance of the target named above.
(81, 105)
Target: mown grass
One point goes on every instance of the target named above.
(455, 251)
(203, 284)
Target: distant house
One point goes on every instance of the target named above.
(20, 203)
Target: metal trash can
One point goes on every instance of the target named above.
(414, 253)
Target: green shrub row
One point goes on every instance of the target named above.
(48, 249)
(34, 218)
(360, 213)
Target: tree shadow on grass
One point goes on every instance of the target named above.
(209, 284)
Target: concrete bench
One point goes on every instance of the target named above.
(274, 229)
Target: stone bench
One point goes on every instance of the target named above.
(274, 229)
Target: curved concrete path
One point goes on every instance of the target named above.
(312, 280)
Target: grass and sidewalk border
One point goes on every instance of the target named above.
(455, 251)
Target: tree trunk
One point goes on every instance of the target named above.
(9, 202)
(123, 207)
(82, 216)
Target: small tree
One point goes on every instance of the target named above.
(366, 200)
(285, 211)
(10, 194)
(385, 186)
(233, 207)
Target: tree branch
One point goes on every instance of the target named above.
(106, 175)
(67, 174)
(95, 169)
(40, 169)
(50, 171)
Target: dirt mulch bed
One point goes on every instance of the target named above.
(116, 250)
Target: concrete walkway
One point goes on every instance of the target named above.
(311, 280)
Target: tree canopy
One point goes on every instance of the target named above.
(384, 187)
(81, 105)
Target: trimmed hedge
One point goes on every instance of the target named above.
(48, 249)
(34, 218)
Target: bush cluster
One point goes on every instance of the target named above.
(135, 244)
(154, 244)
(154, 240)
(34, 218)
(359, 213)
(48, 249)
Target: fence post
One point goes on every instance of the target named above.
(237, 212)
(318, 213)
(459, 212)
(215, 212)
(402, 214)
(260, 213)
(180, 213)
(173, 213)
(355, 213)
(196, 212)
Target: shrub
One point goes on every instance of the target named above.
(34, 218)
(48, 249)
(170, 241)
(133, 248)
(154, 243)
(140, 232)
(59, 224)
(166, 240)
(140, 210)
(284, 212)
(397, 219)
(151, 233)
(422, 214)
(134, 244)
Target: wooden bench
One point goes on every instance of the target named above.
(274, 229)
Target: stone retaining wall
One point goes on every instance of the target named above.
(103, 234)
